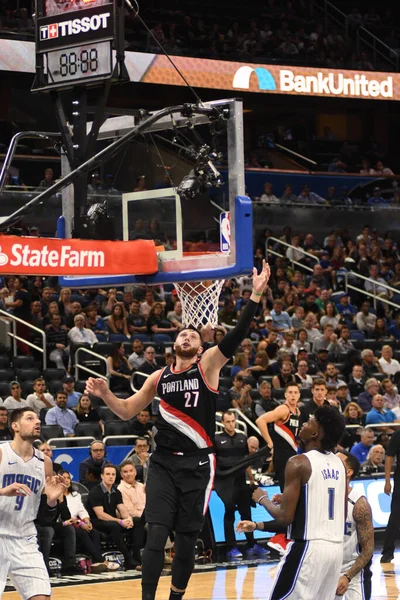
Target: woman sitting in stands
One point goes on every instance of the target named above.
(52, 310)
(353, 415)
(89, 537)
(64, 302)
(261, 365)
(117, 323)
(240, 365)
(158, 323)
(380, 331)
(119, 369)
(95, 323)
(86, 412)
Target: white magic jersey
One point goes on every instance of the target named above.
(320, 509)
(19, 512)
(351, 544)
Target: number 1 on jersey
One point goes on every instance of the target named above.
(331, 506)
(189, 396)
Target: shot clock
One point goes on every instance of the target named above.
(74, 43)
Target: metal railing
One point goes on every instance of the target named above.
(293, 262)
(86, 369)
(119, 437)
(376, 298)
(382, 426)
(248, 422)
(333, 13)
(16, 338)
(66, 440)
(377, 46)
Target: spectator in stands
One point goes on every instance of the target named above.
(52, 310)
(319, 391)
(284, 376)
(310, 325)
(36, 314)
(5, 433)
(332, 376)
(48, 180)
(141, 457)
(261, 365)
(375, 462)
(296, 253)
(268, 197)
(79, 334)
(90, 468)
(264, 403)
(357, 380)
(95, 323)
(318, 278)
(240, 396)
(301, 375)
(324, 341)
(376, 285)
(69, 388)
(89, 538)
(297, 320)
(158, 323)
(377, 199)
(343, 344)
(388, 364)
(280, 318)
(14, 400)
(117, 323)
(342, 394)
(365, 398)
(57, 522)
(141, 425)
(288, 197)
(175, 316)
(365, 320)
(379, 414)
(380, 330)
(103, 502)
(391, 396)
(64, 302)
(309, 197)
(353, 416)
(330, 317)
(57, 342)
(240, 365)
(370, 363)
(380, 170)
(347, 310)
(61, 415)
(119, 369)
(86, 413)
(149, 365)
(40, 398)
(361, 449)
(136, 319)
(146, 306)
(134, 499)
(76, 309)
(48, 451)
(394, 330)
(137, 358)
(46, 300)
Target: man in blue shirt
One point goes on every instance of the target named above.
(280, 318)
(347, 310)
(376, 199)
(361, 449)
(378, 414)
(72, 395)
(61, 415)
(394, 330)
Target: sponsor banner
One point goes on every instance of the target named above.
(74, 28)
(51, 256)
(372, 489)
(212, 74)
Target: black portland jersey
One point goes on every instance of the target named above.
(285, 435)
(186, 421)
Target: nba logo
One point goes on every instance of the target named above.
(225, 232)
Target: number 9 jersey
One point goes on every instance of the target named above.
(18, 513)
(186, 421)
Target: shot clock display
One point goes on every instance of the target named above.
(81, 62)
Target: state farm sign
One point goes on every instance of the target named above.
(42, 256)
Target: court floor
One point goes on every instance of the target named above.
(242, 583)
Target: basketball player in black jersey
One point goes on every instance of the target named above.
(282, 441)
(181, 470)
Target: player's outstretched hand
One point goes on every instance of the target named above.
(245, 527)
(15, 489)
(96, 387)
(260, 281)
(342, 586)
(54, 487)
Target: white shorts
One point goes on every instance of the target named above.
(21, 559)
(309, 570)
(355, 591)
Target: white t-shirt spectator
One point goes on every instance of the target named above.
(11, 404)
(37, 404)
(76, 507)
(389, 368)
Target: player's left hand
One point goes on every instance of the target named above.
(277, 499)
(54, 487)
(260, 280)
(258, 493)
(245, 527)
(342, 586)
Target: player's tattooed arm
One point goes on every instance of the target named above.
(363, 517)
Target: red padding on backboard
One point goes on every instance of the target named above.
(51, 256)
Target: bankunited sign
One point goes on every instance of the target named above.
(233, 76)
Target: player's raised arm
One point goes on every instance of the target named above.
(215, 358)
(129, 408)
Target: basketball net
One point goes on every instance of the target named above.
(199, 302)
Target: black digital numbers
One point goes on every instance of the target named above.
(72, 63)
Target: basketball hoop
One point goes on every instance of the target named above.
(199, 302)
